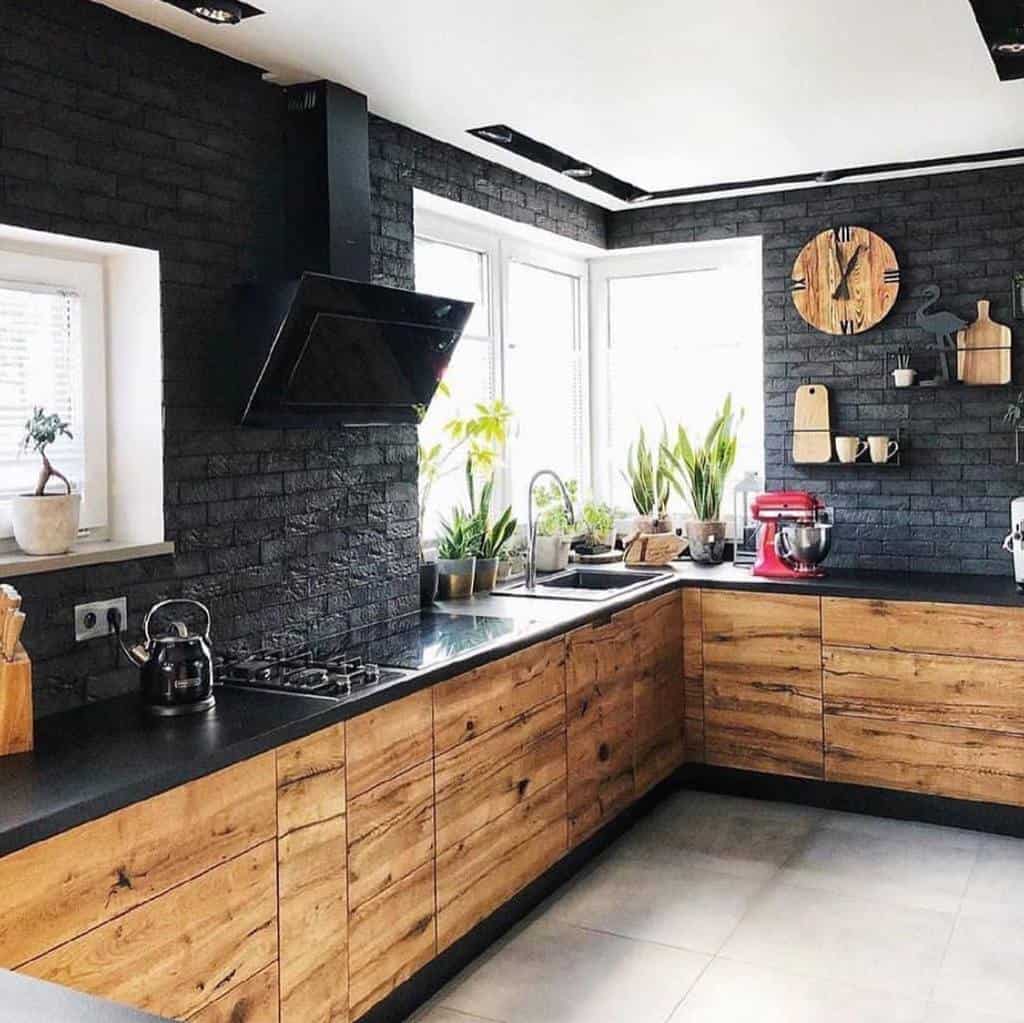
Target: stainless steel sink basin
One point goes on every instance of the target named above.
(584, 584)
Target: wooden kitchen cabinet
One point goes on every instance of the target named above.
(312, 883)
(762, 682)
(392, 908)
(693, 674)
(255, 1000)
(500, 783)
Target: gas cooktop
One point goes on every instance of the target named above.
(373, 655)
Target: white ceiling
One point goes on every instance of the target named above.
(662, 93)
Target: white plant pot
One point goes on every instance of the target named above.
(552, 553)
(904, 377)
(47, 524)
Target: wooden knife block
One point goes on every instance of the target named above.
(16, 703)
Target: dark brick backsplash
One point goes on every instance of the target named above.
(113, 130)
(946, 509)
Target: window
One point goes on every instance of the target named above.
(52, 355)
(524, 343)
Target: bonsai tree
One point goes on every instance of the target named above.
(649, 478)
(41, 430)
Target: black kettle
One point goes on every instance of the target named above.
(176, 666)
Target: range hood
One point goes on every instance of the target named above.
(321, 345)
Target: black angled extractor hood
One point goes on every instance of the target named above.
(321, 345)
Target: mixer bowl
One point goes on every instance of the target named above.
(805, 546)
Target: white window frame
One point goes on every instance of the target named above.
(741, 255)
(86, 280)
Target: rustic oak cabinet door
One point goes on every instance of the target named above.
(601, 668)
(313, 888)
(762, 682)
(255, 1000)
(392, 929)
(693, 673)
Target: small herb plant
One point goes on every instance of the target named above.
(597, 520)
(41, 430)
(649, 477)
(552, 519)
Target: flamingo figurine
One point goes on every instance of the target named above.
(942, 325)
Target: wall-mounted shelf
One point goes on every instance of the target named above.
(864, 462)
(935, 383)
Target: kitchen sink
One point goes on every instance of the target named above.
(584, 584)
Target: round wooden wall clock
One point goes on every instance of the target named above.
(845, 280)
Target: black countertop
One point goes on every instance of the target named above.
(94, 760)
(27, 1000)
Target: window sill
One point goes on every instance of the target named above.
(97, 552)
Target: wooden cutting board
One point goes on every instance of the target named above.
(983, 350)
(812, 432)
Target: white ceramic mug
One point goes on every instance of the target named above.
(849, 449)
(882, 449)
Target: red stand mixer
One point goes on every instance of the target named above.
(795, 534)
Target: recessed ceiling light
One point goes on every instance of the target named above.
(1009, 49)
(223, 12)
(641, 197)
(578, 173)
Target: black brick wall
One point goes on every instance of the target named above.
(947, 508)
(114, 131)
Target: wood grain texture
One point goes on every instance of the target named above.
(599, 724)
(16, 725)
(693, 674)
(58, 889)
(312, 884)
(969, 692)
(966, 630)
(391, 936)
(182, 950)
(658, 693)
(812, 431)
(390, 833)
(873, 281)
(984, 349)
(965, 763)
(469, 705)
(253, 1001)
(478, 782)
(383, 743)
(480, 873)
(762, 682)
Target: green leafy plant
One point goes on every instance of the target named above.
(597, 520)
(699, 473)
(552, 519)
(41, 430)
(649, 477)
(460, 537)
(493, 537)
(480, 436)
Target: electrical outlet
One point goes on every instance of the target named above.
(91, 619)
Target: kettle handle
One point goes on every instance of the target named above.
(177, 600)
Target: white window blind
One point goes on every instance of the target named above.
(40, 365)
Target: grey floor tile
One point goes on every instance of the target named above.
(958, 1014)
(732, 992)
(863, 942)
(439, 1014)
(672, 903)
(553, 971)
(996, 886)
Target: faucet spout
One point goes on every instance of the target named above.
(531, 528)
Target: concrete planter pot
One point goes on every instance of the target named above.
(707, 541)
(648, 524)
(47, 524)
(428, 583)
(486, 575)
(552, 553)
(456, 577)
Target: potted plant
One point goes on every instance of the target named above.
(699, 475)
(456, 557)
(492, 537)
(598, 523)
(45, 523)
(649, 480)
(554, 531)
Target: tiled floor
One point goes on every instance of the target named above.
(722, 910)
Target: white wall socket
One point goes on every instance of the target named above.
(91, 619)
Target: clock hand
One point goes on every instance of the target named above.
(843, 288)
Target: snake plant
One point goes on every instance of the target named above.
(492, 538)
(649, 477)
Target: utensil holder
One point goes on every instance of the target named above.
(16, 735)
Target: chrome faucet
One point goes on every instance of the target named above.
(531, 526)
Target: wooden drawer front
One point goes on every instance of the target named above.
(471, 704)
(181, 951)
(480, 873)
(480, 781)
(964, 629)
(969, 692)
(385, 742)
(693, 674)
(253, 1001)
(966, 763)
(599, 723)
(658, 697)
(762, 682)
(58, 889)
(390, 833)
(312, 885)
(391, 937)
